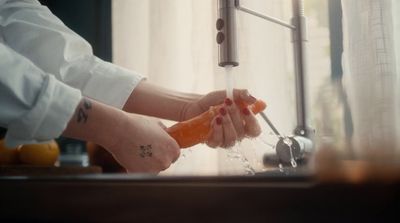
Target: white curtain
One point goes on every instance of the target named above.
(371, 61)
(173, 43)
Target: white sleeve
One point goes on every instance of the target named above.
(33, 31)
(34, 106)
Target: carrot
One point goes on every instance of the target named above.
(197, 129)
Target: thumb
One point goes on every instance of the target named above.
(218, 97)
(211, 99)
(244, 95)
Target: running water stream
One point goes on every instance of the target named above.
(234, 153)
(229, 81)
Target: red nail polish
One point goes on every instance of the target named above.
(246, 111)
(228, 102)
(222, 111)
(219, 120)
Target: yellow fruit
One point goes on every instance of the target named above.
(39, 154)
(7, 156)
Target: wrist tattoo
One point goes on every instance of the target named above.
(83, 115)
(145, 151)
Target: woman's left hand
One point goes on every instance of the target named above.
(232, 124)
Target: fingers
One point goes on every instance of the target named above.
(223, 134)
(217, 134)
(251, 126)
(229, 131)
(211, 99)
(236, 118)
(233, 123)
(244, 95)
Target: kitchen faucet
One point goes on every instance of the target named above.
(298, 146)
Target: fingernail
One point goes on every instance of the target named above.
(252, 97)
(246, 111)
(219, 120)
(228, 102)
(222, 111)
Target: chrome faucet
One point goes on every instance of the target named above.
(226, 36)
(228, 56)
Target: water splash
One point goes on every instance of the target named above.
(265, 142)
(235, 154)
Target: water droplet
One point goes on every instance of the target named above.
(280, 167)
(235, 154)
(183, 155)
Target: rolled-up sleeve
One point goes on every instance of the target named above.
(33, 31)
(35, 106)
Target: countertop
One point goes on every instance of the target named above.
(266, 197)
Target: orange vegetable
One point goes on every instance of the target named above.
(197, 129)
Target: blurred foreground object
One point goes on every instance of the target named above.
(333, 167)
(37, 160)
(333, 118)
(371, 74)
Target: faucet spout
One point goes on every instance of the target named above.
(226, 36)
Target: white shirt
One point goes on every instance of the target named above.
(45, 68)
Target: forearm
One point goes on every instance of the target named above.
(94, 121)
(59, 51)
(152, 100)
(34, 106)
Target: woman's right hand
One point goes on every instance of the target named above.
(139, 144)
(143, 145)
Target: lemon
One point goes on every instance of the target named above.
(39, 154)
(8, 156)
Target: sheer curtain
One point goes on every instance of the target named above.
(371, 61)
(172, 42)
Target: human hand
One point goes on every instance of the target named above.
(232, 124)
(143, 145)
(137, 143)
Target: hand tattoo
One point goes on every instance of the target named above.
(145, 151)
(82, 115)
